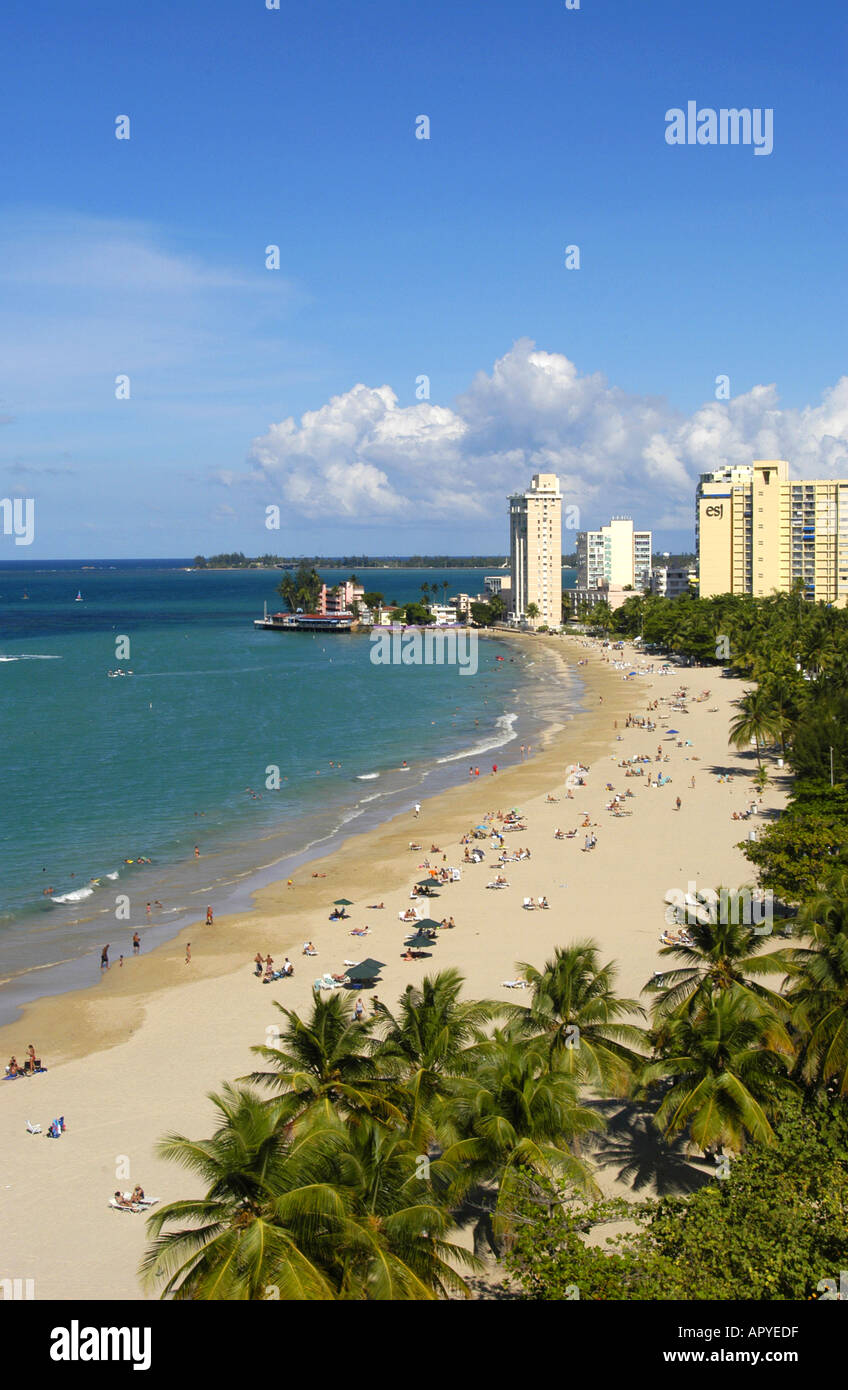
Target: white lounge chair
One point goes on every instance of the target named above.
(514, 984)
(117, 1206)
(529, 904)
(33, 1129)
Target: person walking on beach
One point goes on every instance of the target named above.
(359, 1010)
(417, 809)
(188, 953)
(104, 958)
(678, 803)
(209, 916)
(136, 943)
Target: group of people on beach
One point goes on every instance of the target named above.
(31, 1065)
(264, 967)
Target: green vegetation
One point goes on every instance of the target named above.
(237, 560)
(345, 1173)
(773, 1228)
(485, 614)
(300, 590)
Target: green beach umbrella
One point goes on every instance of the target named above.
(418, 940)
(428, 924)
(366, 970)
(343, 902)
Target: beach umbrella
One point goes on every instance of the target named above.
(481, 827)
(428, 924)
(367, 969)
(672, 731)
(425, 882)
(419, 939)
(342, 902)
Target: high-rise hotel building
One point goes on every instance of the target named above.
(535, 550)
(617, 555)
(758, 531)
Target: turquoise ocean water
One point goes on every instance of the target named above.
(97, 771)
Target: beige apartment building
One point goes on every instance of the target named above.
(757, 530)
(535, 551)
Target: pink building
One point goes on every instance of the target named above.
(339, 597)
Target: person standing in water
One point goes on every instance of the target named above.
(136, 943)
(104, 958)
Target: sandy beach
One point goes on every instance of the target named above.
(135, 1056)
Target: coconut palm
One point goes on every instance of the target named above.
(327, 1057)
(755, 720)
(268, 1217)
(575, 1004)
(517, 1109)
(727, 1072)
(396, 1244)
(425, 1039)
(719, 956)
(818, 994)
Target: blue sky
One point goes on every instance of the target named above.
(401, 258)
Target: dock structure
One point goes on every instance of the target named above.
(305, 622)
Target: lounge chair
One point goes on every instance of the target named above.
(497, 885)
(514, 984)
(119, 1206)
(33, 1129)
(529, 904)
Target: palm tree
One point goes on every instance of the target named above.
(325, 1058)
(396, 1246)
(425, 1041)
(818, 994)
(532, 611)
(575, 1004)
(425, 591)
(754, 721)
(761, 779)
(728, 1070)
(268, 1217)
(602, 616)
(721, 956)
(518, 1109)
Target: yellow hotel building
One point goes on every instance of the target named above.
(758, 531)
(535, 547)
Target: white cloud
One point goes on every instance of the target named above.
(363, 456)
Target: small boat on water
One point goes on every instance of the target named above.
(78, 598)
